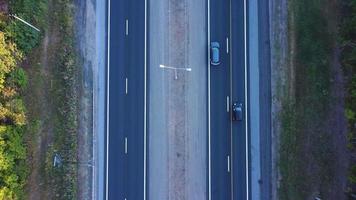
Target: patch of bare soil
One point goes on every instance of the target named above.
(4, 6)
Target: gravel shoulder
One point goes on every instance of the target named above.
(85, 36)
(91, 37)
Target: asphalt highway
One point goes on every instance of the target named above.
(239, 92)
(125, 103)
(220, 123)
(229, 143)
(137, 128)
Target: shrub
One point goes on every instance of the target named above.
(25, 37)
(9, 56)
(34, 12)
(13, 169)
(18, 78)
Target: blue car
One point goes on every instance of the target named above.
(215, 57)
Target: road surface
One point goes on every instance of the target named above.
(169, 130)
(126, 100)
(220, 103)
(229, 139)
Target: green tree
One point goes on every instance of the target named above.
(6, 194)
(17, 78)
(13, 113)
(9, 56)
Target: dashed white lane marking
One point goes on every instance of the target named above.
(127, 27)
(125, 145)
(228, 163)
(126, 86)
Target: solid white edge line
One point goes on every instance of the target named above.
(107, 104)
(246, 103)
(231, 93)
(145, 108)
(209, 125)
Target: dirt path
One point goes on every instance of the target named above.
(38, 66)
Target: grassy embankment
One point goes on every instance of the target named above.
(65, 101)
(306, 149)
(50, 116)
(348, 60)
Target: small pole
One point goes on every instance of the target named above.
(23, 21)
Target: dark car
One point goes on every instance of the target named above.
(237, 112)
(215, 57)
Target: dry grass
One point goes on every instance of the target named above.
(311, 160)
